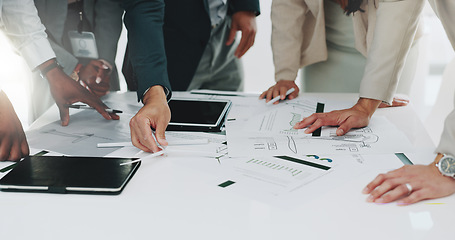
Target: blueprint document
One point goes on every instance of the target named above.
(271, 133)
(85, 130)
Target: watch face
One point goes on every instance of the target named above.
(448, 165)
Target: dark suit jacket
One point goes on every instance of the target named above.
(187, 30)
(146, 57)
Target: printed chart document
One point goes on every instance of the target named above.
(271, 133)
(291, 181)
(278, 174)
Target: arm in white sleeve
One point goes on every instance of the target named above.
(21, 24)
(446, 13)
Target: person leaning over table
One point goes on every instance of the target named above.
(144, 21)
(411, 184)
(384, 32)
(20, 22)
(149, 64)
(335, 61)
(63, 20)
(199, 39)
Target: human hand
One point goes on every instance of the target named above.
(154, 114)
(426, 183)
(280, 89)
(245, 22)
(355, 117)
(66, 91)
(13, 144)
(397, 102)
(95, 77)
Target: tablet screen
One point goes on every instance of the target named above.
(197, 112)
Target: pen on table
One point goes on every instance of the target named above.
(80, 106)
(167, 150)
(171, 143)
(148, 156)
(223, 93)
(277, 98)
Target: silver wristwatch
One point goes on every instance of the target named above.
(446, 165)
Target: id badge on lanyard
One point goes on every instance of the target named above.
(83, 43)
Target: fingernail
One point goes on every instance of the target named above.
(98, 80)
(365, 190)
(370, 198)
(340, 131)
(379, 200)
(105, 66)
(307, 131)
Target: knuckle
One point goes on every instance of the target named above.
(382, 176)
(417, 195)
(387, 198)
(3, 156)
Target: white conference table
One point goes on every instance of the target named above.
(166, 200)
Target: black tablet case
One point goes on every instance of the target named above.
(62, 174)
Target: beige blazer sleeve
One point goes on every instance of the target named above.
(384, 34)
(298, 36)
(446, 12)
(394, 31)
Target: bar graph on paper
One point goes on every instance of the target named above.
(275, 166)
(279, 171)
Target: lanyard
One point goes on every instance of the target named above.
(80, 9)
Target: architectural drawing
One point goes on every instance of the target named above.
(271, 132)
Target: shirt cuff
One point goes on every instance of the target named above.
(37, 52)
(166, 91)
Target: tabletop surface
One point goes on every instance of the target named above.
(169, 198)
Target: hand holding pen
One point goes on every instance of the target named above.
(280, 91)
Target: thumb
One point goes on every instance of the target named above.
(160, 135)
(231, 36)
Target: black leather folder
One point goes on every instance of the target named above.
(63, 174)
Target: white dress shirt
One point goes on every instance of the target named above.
(20, 22)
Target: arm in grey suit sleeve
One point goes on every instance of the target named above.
(65, 58)
(107, 29)
(144, 21)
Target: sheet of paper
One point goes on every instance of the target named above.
(271, 133)
(80, 137)
(275, 175)
(272, 184)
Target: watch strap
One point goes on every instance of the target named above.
(51, 66)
